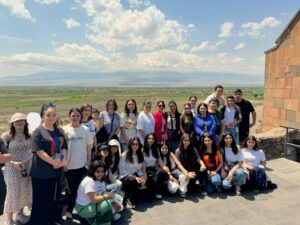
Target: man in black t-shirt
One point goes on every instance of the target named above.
(4, 157)
(246, 108)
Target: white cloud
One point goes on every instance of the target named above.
(17, 8)
(68, 57)
(116, 28)
(207, 46)
(47, 2)
(226, 30)
(71, 23)
(255, 30)
(138, 3)
(240, 46)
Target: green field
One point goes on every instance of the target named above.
(30, 99)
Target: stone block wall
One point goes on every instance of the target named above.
(282, 83)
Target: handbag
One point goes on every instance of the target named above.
(65, 198)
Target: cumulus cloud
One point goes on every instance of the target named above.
(47, 2)
(71, 23)
(67, 57)
(240, 46)
(207, 46)
(138, 3)
(115, 28)
(226, 30)
(17, 8)
(255, 30)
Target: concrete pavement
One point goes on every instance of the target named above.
(281, 206)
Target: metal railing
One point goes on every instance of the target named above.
(286, 139)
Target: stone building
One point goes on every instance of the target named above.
(282, 79)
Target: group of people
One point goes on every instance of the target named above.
(107, 159)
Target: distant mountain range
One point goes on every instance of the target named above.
(131, 79)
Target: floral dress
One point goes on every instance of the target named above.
(19, 188)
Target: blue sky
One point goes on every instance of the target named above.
(139, 35)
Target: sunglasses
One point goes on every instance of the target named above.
(161, 106)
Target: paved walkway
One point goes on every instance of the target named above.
(280, 207)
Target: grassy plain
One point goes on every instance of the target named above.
(30, 99)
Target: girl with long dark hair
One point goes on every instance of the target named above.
(173, 118)
(151, 155)
(191, 162)
(213, 160)
(132, 170)
(232, 171)
(128, 123)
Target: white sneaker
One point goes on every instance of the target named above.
(238, 190)
(117, 216)
(158, 196)
(69, 216)
(22, 218)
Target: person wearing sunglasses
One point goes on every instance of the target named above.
(161, 123)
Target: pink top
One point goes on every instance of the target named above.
(158, 118)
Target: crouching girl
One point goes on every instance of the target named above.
(232, 171)
(93, 203)
(171, 172)
(254, 162)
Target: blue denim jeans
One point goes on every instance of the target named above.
(173, 145)
(212, 184)
(115, 187)
(234, 133)
(239, 179)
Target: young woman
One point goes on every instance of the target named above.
(115, 157)
(173, 118)
(254, 161)
(145, 123)
(132, 170)
(95, 117)
(171, 172)
(4, 157)
(232, 171)
(93, 201)
(86, 119)
(111, 119)
(151, 155)
(188, 157)
(213, 160)
(78, 156)
(186, 121)
(193, 103)
(48, 143)
(104, 155)
(204, 124)
(161, 123)
(128, 123)
(17, 180)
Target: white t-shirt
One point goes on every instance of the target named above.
(170, 121)
(229, 114)
(77, 140)
(194, 111)
(146, 123)
(253, 157)
(126, 168)
(92, 128)
(129, 123)
(150, 160)
(231, 157)
(86, 186)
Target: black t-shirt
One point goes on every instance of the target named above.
(246, 108)
(52, 143)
